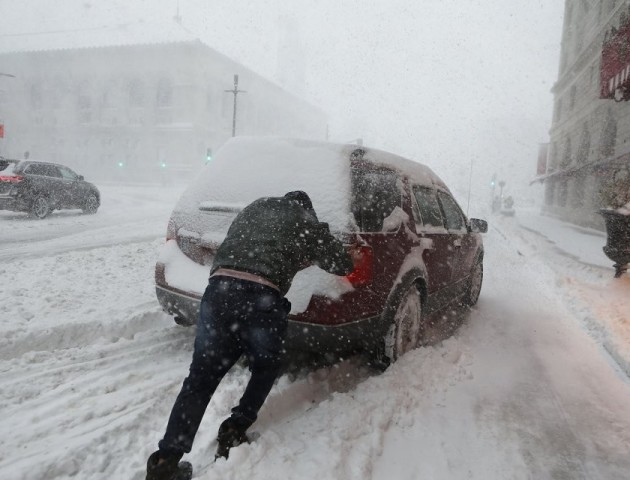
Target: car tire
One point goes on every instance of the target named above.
(474, 284)
(40, 207)
(404, 332)
(91, 205)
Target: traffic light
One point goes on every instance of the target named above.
(492, 183)
(162, 164)
(121, 164)
(208, 155)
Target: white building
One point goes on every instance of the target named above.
(138, 110)
(590, 132)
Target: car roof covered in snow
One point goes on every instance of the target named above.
(247, 168)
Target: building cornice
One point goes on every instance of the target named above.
(591, 51)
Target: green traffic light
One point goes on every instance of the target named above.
(121, 164)
(163, 164)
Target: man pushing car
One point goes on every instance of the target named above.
(244, 312)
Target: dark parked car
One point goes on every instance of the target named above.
(415, 252)
(41, 187)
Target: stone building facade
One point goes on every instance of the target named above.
(590, 136)
(139, 111)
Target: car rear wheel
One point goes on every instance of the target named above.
(405, 330)
(474, 284)
(91, 204)
(40, 207)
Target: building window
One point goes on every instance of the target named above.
(164, 93)
(57, 93)
(37, 101)
(84, 106)
(585, 145)
(549, 191)
(563, 191)
(609, 136)
(566, 154)
(136, 94)
(558, 109)
(579, 189)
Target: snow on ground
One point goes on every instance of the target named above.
(586, 275)
(90, 367)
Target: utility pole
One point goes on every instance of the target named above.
(235, 91)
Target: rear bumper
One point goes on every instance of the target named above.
(9, 202)
(301, 336)
(179, 304)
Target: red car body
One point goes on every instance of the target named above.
(398, 219)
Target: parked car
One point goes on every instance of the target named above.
(41, 187)
(415, 252)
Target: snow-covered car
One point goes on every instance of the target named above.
(415, 252)
(41, 187)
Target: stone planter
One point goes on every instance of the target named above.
(618, 241)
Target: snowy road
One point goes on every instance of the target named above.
(89, 368)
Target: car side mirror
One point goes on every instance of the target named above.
(478, 226)
(81, 177)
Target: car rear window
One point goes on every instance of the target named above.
(7, 168)
(376, 193)
(245, 169)
(43, 169)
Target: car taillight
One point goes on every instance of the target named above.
(11, 178)
(363, 258)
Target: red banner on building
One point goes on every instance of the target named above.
(1, 130)
(615, 66)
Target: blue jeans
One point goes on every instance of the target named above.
(237, 317)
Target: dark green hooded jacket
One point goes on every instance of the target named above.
(276, 237)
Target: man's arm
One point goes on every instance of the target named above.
(327, 252)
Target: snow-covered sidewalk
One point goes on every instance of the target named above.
(587, 275)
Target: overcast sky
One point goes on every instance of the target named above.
(445, 82)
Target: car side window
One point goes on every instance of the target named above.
(34, 169)
(452, 213)
(67, 174)
(430, 215)
(51, 171)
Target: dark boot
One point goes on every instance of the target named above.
(231, 434)
(163, 467)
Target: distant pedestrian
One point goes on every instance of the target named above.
(244, 312)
